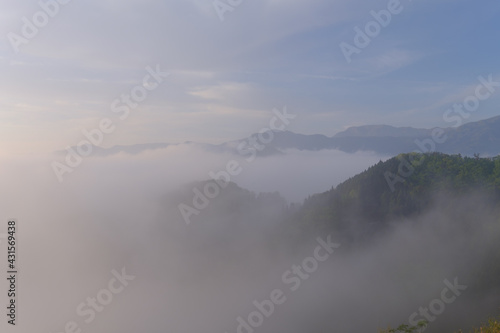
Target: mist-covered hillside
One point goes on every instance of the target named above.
(404, 226)
(402, 187)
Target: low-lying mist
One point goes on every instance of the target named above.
(110, 217)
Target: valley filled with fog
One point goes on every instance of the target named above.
(249, 166)
(118, 214)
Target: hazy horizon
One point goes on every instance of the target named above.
(224, 79)
(246, 230)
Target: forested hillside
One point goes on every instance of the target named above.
(401, 187)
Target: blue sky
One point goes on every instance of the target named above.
(227, 76)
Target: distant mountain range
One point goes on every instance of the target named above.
(481, 137)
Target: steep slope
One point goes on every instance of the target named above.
(398, 189)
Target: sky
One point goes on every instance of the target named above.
(229, 66)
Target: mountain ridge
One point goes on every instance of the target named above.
(480, 137)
